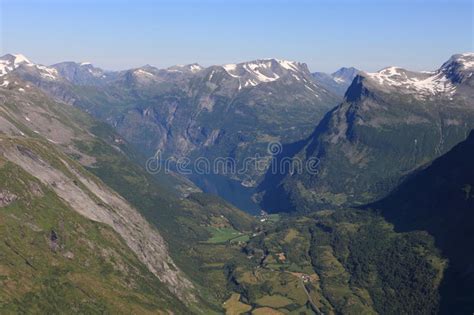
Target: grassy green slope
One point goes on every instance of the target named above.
(88, 269)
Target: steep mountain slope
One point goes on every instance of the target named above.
(439, 199)
(232, 110)
(337, 82)
(54, 259)
(390, 123)
(61, 147)
(35, 133)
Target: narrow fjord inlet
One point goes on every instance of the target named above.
(247, 157)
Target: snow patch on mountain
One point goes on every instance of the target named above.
(143, 72)
(19, 58)
(289, 65)
(230, 67)
(11, 62)
(426, 83)
(265, 70)
(466, 60)
(443, 81)
(190, 68)
(195, 68)
(46, 72)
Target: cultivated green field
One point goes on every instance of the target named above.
(221, 235)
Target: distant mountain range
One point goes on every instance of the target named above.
(232, 110)
(387, 124)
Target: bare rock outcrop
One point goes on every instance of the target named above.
(6, 198)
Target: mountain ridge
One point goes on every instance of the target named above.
(404, 117)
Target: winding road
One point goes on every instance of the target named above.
(314, 306)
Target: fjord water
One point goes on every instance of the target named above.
(229, 189)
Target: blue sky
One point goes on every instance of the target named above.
(414, 34)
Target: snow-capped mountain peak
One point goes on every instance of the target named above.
(263, 70)
(189, 68)
(457, 69)
(465, 61)
(261, 64)
(11, 62)
(19, 58)
(424, 83)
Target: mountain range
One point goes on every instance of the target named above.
(191, 111)
(381, 227)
